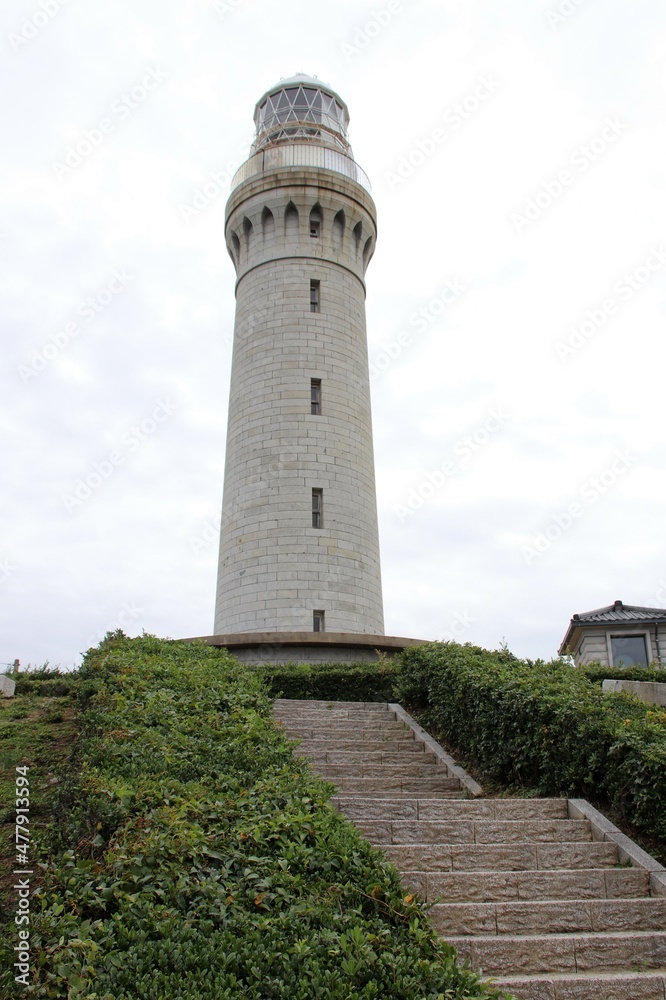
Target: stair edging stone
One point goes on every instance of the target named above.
(472, 786)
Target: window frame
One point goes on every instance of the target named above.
(643, 634)
(315, 397)
(319, 617)
(315, 295)
(317, 508)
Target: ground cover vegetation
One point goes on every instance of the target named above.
(190, 855)
(544, 726)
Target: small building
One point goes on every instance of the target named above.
(621, 635)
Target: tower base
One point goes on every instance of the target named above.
(255, 648)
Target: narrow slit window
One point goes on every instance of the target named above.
(317, 621)
(314, 296)
(317, 508)
(315, 396)
(315, 228)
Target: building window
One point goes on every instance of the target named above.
(317, 508)
(315, 226)
(314, 296)
(629, 651)
(315, 396)
(317, 621)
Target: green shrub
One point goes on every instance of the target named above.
(331, 681)
(543, 725)
(597, 672)
(192, 856)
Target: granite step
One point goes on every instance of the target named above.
(309, 747)
(389, 731)
(561, 916)
(524, 892)
(409, 858)
(313, 705)
(368, 768)
(513, 955)
(502, 809)
(471, 831)
(590, 986)
(399, 786)
(503, 886)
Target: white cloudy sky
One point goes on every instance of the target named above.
(581, 93)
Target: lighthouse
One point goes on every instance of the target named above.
(299, 547)
(299, 566)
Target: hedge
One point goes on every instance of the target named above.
(543, 725)
(597, 672)
(331, 681)
(192, 856)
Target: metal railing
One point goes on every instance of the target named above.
(300, 154)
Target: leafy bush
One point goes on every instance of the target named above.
(331, 681)
(597, 672)
(543, 725)
(193, 856)
(47, 682)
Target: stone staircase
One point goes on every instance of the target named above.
(521, 888)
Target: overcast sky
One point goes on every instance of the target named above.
(515, 304)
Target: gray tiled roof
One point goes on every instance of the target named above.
(619, 612)
(616, 613)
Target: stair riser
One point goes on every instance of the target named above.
(567, 917)
(490, 887)
(296, 705)
(618, 986)
(408, 746)
(501, 857)
(351, 732)
(476, 832)
(409, 787)
(567, 954)
(321, 720)
(362, 770)
(476, 809)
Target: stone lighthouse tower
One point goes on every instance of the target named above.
(299, 552)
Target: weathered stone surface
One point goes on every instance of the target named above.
(624, 883)
(464, 918)
(369, 809)
(628, 914)
(494, 857)
(419, 857)
(433, 832)
(7, 686)
(612, 986)
(576, 855)
(530, 808)
(461, 809)
(626, 950)
(501, 956)
(530, 831)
